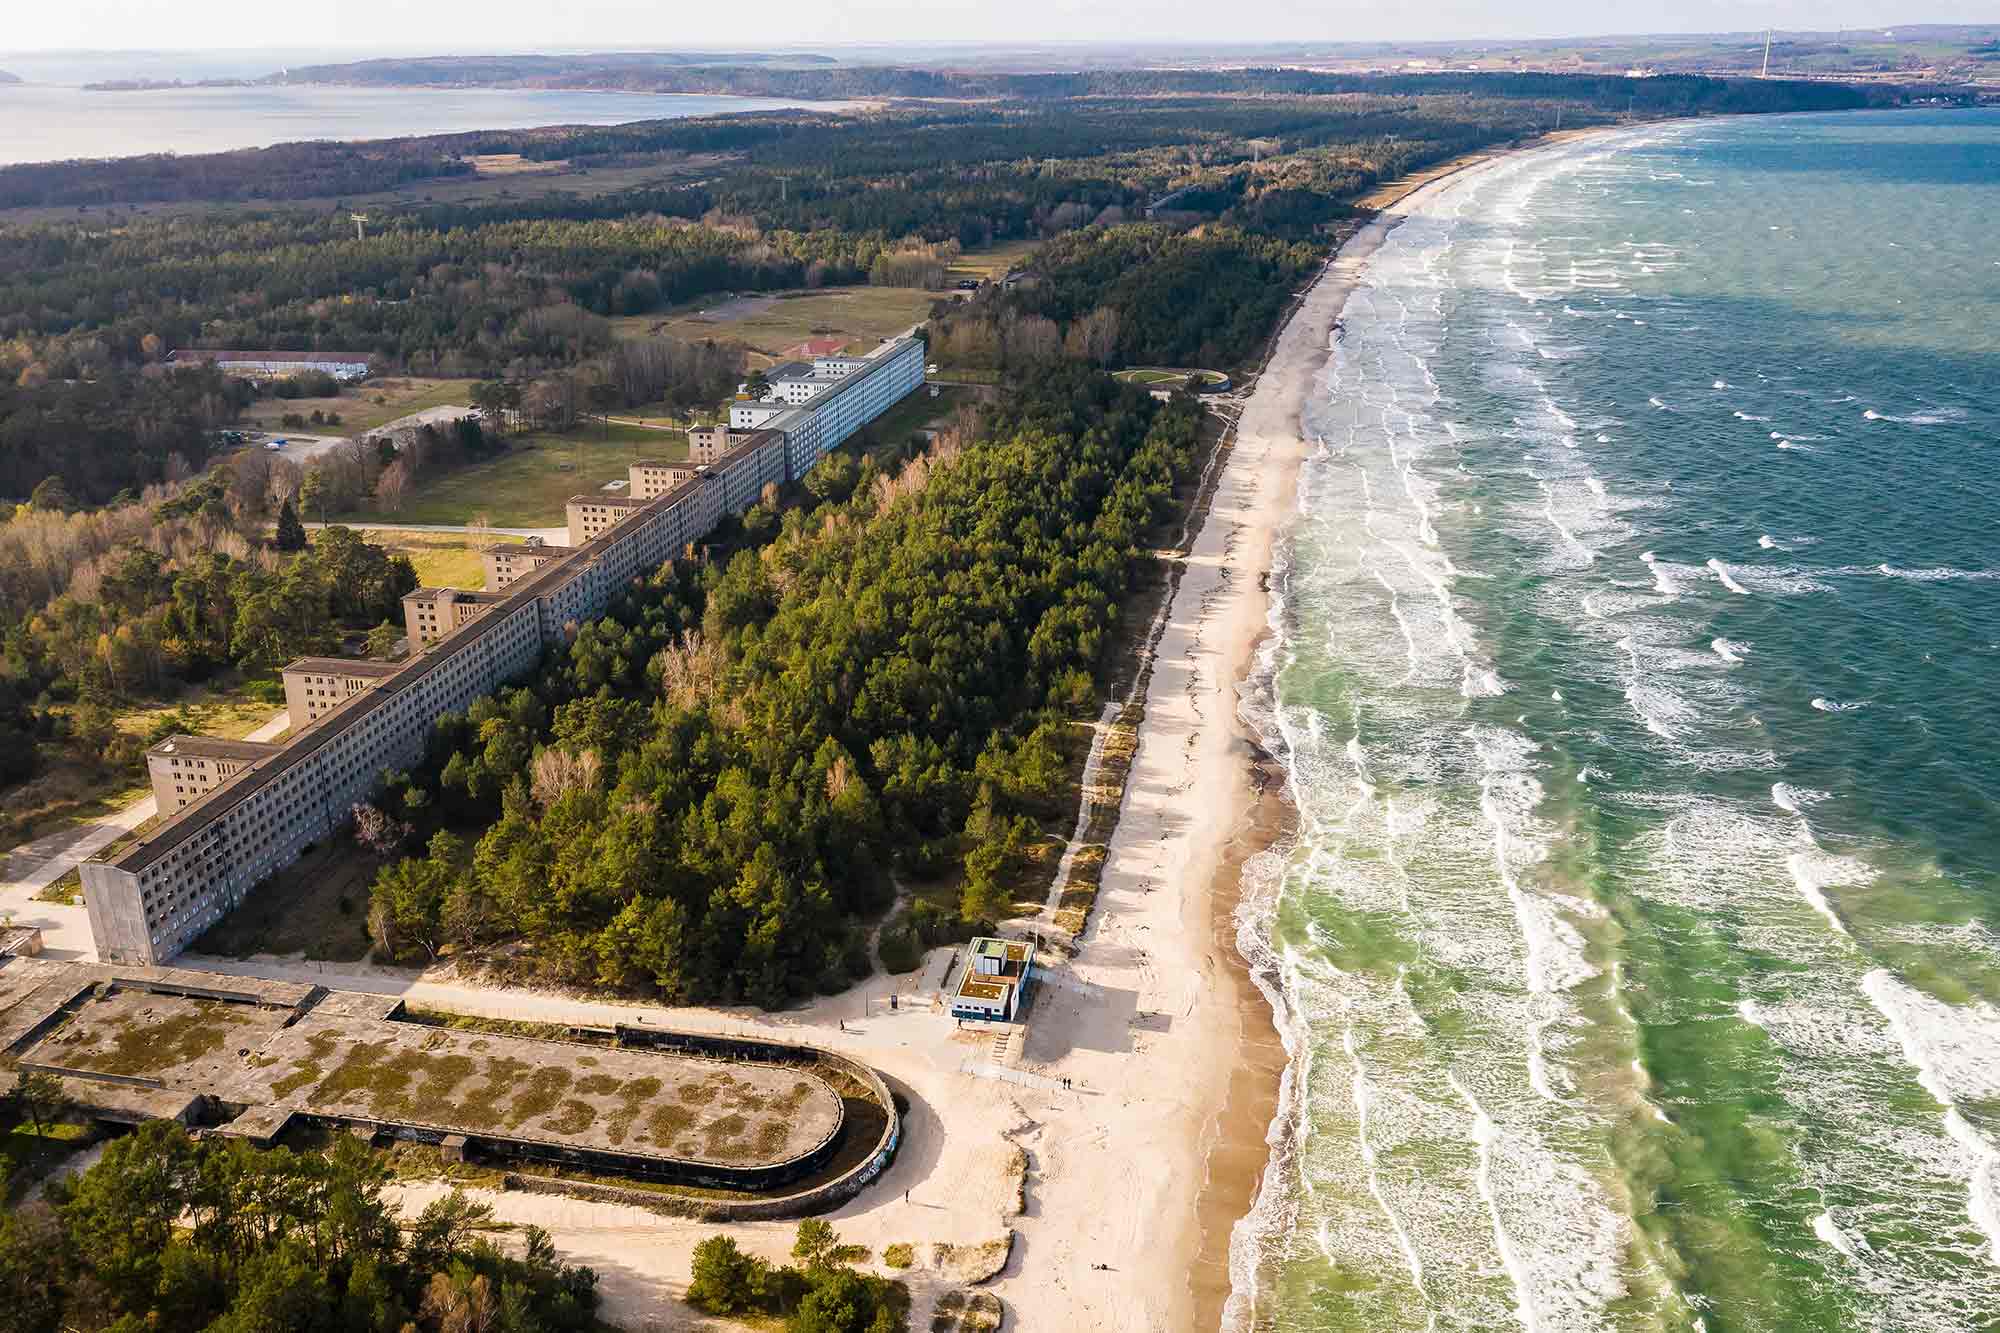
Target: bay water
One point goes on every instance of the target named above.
(53, 123)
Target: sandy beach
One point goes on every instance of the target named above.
(1110, 1156)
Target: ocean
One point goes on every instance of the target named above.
(50, 122)
(1638, 953)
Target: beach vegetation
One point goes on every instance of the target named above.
(825, 1296)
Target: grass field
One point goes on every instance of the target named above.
(527, 486)
(443, 559)
(992, 263)
(769, 322)
(363, 408)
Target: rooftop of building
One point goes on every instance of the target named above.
(814, 347)
(214, 747)
(344, 666)
(355, 1062)
(610, 501)
(454, 595)
(1013, 958)
(529, 546)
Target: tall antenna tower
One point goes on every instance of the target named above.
(359, 220)
(1765, 73)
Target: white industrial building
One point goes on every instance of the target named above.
(276, 365)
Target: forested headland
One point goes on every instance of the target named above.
(1677, 94)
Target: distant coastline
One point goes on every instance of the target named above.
(164, 85)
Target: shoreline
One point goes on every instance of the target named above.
(1255, 502)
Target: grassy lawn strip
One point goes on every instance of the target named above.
(67, 890)
(993, 262)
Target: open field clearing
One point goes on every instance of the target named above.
(363, 407)
(770, 322)
(527, 486)
(992, 263)
(442, 559)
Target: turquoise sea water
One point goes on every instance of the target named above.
(1639, 954)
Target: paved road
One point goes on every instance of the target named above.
(271, 730)
(300, 448)
(433, 416)
(33, 866)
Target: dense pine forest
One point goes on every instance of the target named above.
(179, 1234)
(705, 792)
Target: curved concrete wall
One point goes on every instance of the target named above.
(820, 1198)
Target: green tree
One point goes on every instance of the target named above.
(41, 1098)
(382, 640)
(725, 1280)
(31, 1250)
(291, 532)
(407, 902)
(817, 1243)
(122, 1214)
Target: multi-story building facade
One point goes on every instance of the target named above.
(429, 614)
(848, 392)
(591, 516)
(505, 562)
(316, 685)
(184, 769)
(156, 896)
(650, 480)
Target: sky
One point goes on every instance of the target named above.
(448, 26)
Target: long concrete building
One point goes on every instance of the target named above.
(158, 895)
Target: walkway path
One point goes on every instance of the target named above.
(33, 866)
